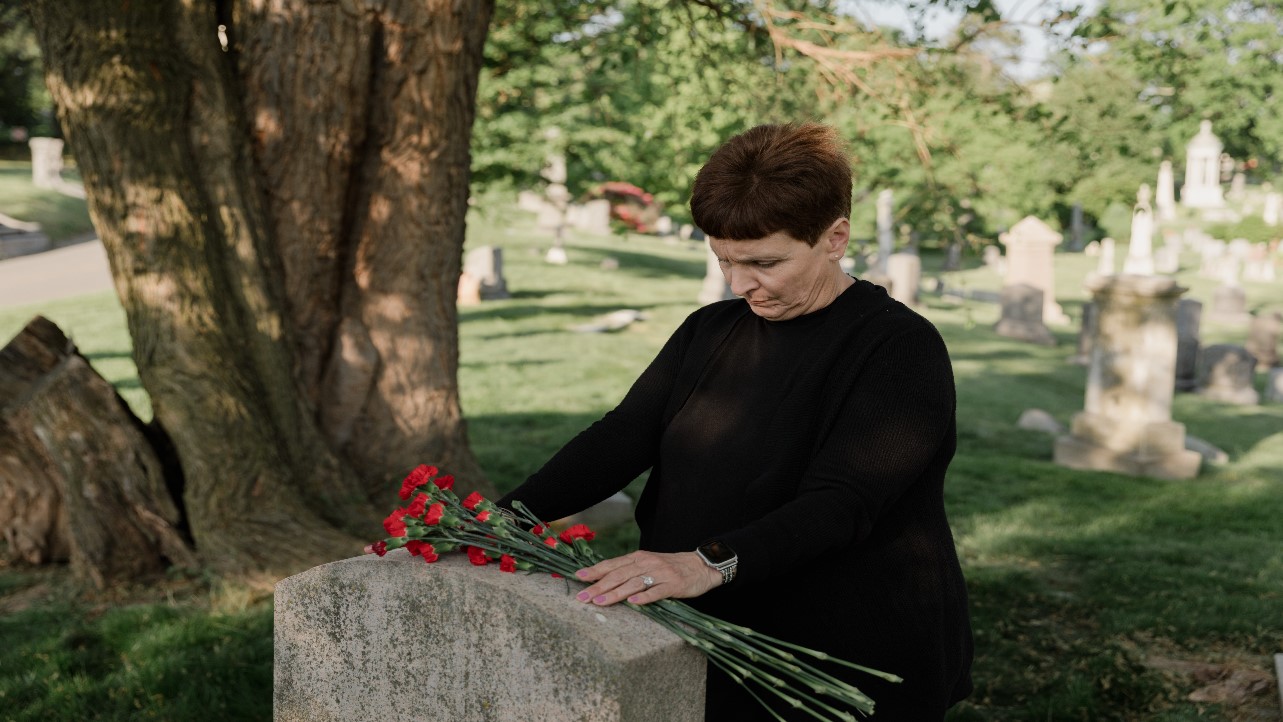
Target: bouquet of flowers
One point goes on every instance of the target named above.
(436, 521)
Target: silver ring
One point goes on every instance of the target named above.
(648, 582)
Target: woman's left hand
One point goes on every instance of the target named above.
(679, 576)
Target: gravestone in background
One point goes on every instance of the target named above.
(1270, 212)
(715, 287)
(1225, 373)
(1202, 188)
(1031, 245)
(1022, 311)
(905, 272)
(886, 233)
(392, 638)
(1076, 230)
(1140, 249)
(46, 162)
(485, 264)
(1126, 423)
(1165, 192)
(1189, 315)
(1105, 265)
(1086, 335)
(1263, 339)
(1274, 386)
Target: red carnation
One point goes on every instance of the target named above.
(578, 531)
(477, 556)
(379, 547)
(538, 530)
(483, 516)
(507, 564)
(433, 515)
(393, 524)
(417, 506)
(445, 482)
(416, 478)
(423, 549)
(473, 499)
(551, 541)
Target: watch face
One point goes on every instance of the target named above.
(716, 552)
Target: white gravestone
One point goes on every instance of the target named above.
(46, 162)
(1263, 339)
(886, 234)
(1031, 246)
(1105, 264)
(715, 286)
(905, 272)
(1165, 193)
(1202, 187)
(393, 638)
(1126, 424)
(1140, 249)
(1273, 204)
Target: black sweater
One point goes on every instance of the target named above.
(816, 448)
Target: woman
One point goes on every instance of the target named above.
(797, 441)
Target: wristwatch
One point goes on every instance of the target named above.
(721, 557)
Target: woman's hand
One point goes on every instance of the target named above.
(680, 576)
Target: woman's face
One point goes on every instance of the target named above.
(781, 277)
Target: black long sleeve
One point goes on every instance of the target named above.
(816, 448)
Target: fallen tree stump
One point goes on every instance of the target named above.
(79, 479)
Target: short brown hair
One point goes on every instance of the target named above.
(791, 178)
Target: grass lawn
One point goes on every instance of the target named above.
(61, 217)
(1094, 596)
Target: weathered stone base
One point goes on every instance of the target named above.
(1075, 453)
(1030, 331)
(394, 638)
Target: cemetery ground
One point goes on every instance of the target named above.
(1094, 596)
(62, 218)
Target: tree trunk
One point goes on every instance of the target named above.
(78, 475)
(257, 203)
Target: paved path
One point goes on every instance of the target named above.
(61, 273)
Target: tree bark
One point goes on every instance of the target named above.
(79, 477)
(284, 221)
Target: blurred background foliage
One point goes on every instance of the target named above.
(642, 90)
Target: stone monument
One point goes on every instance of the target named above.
(1165, 193)
(392, 638)
(905, 272)
(1189, 315)
(1126, 423)
(715, 286)
(1263, 339)
(1031, 246)
(1105, 264)
(1140, 250)
(1022, 315)
(1273, 204)
(46, 162)
(886, 234)
(485, 264)
(1202, 187)
(1225, 373)
(1076, 230)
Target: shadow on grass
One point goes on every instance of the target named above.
(509, 311)
(646, 265)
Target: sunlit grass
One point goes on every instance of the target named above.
(60, 217)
